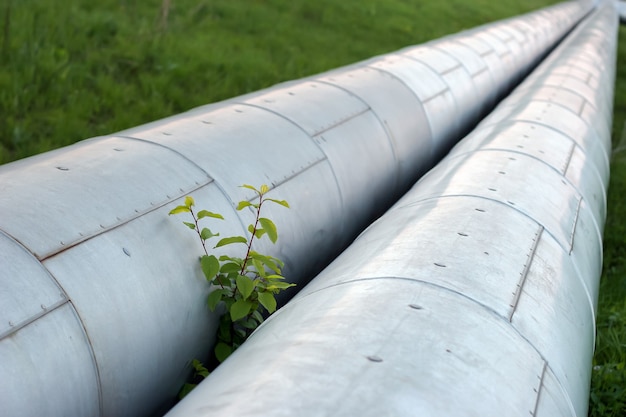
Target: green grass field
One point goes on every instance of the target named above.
(81, 68)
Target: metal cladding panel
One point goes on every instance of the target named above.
(554, 311)
(562, 120)
(220, 139)
(502, 176)
(435, 240)
(437, 99)
(549, 146)
(104, 183)
(314, 107)
(400, 112)
(129, 302)
(487, 49)
(47, 369)
(551, 396)
(364, 143)
(358, 337)
(467, 98)
(23, 300)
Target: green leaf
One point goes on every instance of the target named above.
(180, 209)
(250, 187)
(199, 368)
(264, 189)
(210, 266)
(207, 234)
(192, 226)
(269, 261)
(214, 298)
(240, 309)
(259, 233)
(229, 268)
(222, 280)
(230, 240)
(243, 204)
(258, 265)
(189, 201)
(245, 286)
(268, 301)
(281, 202)
(257, 316)
(250, 323)
(206, 213)
(186, 389)
(270, 228)
(222, 351)
(279, 286)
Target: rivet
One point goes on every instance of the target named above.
(492, 189)
(501, 172)
(520, 146)
(166, 133)
(462, 234)
(63, 168)
(118, 149)
(479, 209)
(486, 253)
(375, 358)
(43, 307)
(238, 111)
(512, 159)
(102, 226)
(416, 307)
(511, 203)
(62, 243)
(206, 122)
(11, 324)
(291, 93)
(126, 251)
(440, 265)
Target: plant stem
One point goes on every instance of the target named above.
(256, 224)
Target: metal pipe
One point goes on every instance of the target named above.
(475, 294)
(101, 297)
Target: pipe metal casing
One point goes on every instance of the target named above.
(101, 296)
(475, 295)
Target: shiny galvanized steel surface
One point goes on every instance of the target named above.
(474, 295)
(116, 310)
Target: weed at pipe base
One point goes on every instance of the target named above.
(245, 287)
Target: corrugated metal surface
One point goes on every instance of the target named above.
(474, 295)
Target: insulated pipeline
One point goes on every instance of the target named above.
(475, 294)
(101, 297)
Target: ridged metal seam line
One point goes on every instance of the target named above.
(524, 273)
(15, 327)
(457, 59)
(437, 73)
(566, 250)
(154, 207)
(323, 129)
(541, 378)
(575, 222)
(381, 121)
(562, 172)
(568, 159)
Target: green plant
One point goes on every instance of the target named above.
(245, 286)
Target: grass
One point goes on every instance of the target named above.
(608, 385)
(79, 68)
